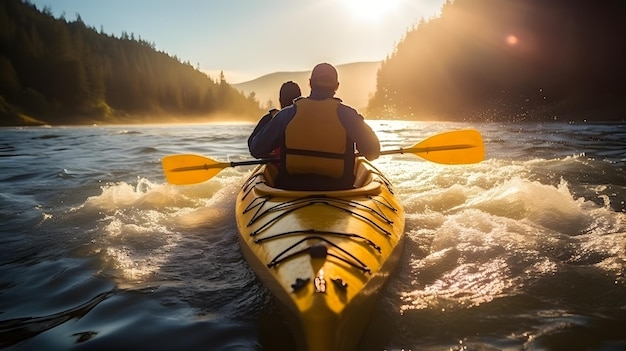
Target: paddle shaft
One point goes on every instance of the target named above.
(414, 150)
(454, 147)
(417, 150)
(224, 165)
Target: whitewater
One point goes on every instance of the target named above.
(523, 251)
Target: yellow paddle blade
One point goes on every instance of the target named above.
(190, 169)
(451, 148)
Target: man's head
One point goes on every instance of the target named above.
(324, 77)
(289, 91)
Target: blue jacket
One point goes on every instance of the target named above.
(262, 122)
(272, 134)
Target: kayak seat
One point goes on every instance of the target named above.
(364, 185)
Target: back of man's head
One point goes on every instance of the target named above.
(324, 77)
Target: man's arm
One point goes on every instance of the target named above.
(269, 137)
(262, 122)
(366, 140)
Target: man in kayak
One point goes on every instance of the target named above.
(318, 137)
(289, 91)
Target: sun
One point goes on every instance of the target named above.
(370, 10)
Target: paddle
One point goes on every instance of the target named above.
(192, 169)
(454, 147)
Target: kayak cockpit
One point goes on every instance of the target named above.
(367, 182)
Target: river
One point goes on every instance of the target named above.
(523, 251)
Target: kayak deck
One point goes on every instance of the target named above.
(324, 255)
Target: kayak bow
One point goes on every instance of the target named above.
(324, 255)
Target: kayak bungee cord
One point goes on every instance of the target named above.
(278, 259)
(314, 231)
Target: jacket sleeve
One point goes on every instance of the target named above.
(262, 122)
(367, 142)
(269, 137)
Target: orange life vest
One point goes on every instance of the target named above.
(316, 142)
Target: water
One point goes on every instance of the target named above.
(524, 251)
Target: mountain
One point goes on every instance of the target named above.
(54, 71)
(510, 60)
(357, 83)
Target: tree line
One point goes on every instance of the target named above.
(57, 71)
(480, 60)
(509, 60)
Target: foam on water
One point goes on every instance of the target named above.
(491, 230)
(141, 225)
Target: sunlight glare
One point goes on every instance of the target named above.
(370, 10)
(511, 40)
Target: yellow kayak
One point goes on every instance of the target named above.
(324, 255)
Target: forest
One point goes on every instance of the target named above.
(55, 71)
(479, 60)
(509, 60)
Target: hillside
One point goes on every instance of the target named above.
(357, 83)
(481, 60)
(510, 60)
(54, 71)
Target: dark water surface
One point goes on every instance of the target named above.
(524, 251)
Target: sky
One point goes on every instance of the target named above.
(247, 39)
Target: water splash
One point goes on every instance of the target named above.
(495, 235)
(142, 226)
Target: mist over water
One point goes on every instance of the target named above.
(526, 250)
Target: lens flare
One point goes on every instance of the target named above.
(512, 40)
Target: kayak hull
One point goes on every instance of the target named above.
(324, 255)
